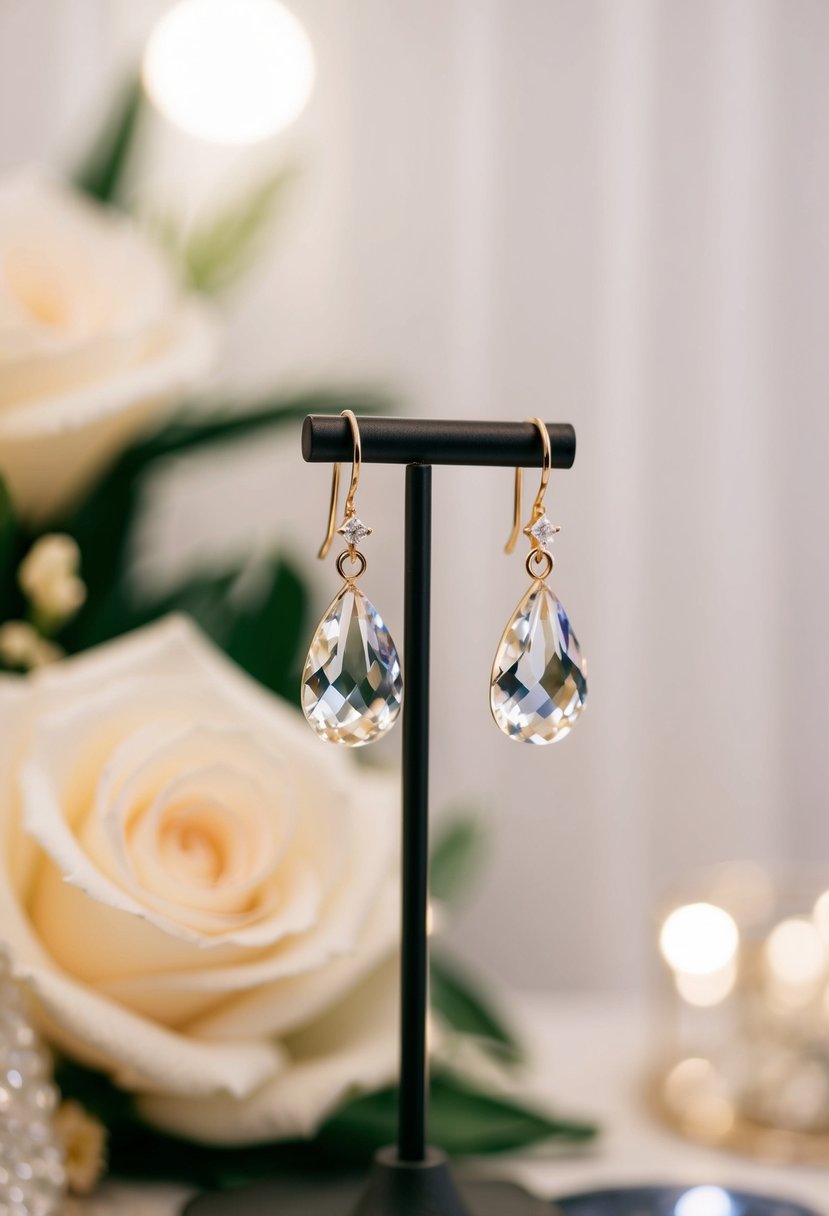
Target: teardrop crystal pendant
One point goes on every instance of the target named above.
(539, 678)
(351, 685)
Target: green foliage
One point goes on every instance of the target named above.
(457, 858)
(220, 250)
(463, 1121)
(9, 535)
(463, 1006)
(102, 173)
(268, 638)
(257, 616)
(13, 544)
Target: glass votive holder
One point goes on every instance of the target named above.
(677, 1201)
(743, 1055)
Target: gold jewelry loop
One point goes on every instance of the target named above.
(538, 505)
(356, 556)
(539, 558)
(356, 461)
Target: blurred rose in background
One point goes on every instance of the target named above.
(97, 340)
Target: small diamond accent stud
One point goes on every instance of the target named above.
(354, 530)
(543, 530)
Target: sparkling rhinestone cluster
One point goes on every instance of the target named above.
(32, 1177)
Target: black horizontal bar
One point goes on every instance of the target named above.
(327, 438)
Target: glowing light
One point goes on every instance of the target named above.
(796, 953)
(693, 1090)
(229, 71)
(699, 940)
(706, 990)
(705, 1201)
(691, 1075)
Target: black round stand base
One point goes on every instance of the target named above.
(394, 1188)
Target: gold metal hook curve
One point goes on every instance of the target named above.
(538, 505)
(356, 461)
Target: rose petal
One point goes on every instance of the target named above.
(72, 270)
(17, 855)
(154, 768)
(52, 780)
(66, 921)
(352, 1050)
(139, 1054)
(284, 1006)
(51, 450)
(339, 927)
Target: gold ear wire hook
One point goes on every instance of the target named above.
(538, 505)
(356, 461)
(516, 513)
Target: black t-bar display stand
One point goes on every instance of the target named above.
(410, 1179)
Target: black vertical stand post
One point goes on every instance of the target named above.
(409, 1179)
(414, 979)
(413, 1179)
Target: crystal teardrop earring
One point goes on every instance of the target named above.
(351, 683)
(539, 677)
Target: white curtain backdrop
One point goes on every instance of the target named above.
(612, 212)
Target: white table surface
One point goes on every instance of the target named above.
(591, 1056)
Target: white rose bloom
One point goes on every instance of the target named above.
(95, 340)
(199, 895)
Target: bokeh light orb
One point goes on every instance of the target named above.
(796, 953)
(230, 72)
(705, 1201)
(699, 939)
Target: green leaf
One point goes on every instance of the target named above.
(106, 615)
(257, 616)
(266, 639)
(459, 1001)
(13, 544)
(102, 525)
(457, 857)
(462, 1121)
(95, 1092)
(102, 173)
(8, 536)
(218, 252)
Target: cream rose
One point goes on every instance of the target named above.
(199, 895)
(95, 340)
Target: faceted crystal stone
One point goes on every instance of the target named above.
(539, 678)
(354, 530)
(544, 531)
(352, 686)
